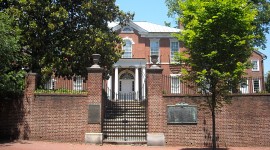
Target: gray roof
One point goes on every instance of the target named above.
(143, 26)
(261, 54)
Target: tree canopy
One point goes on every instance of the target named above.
(11, 74)
(262, 20)
(219, 36)
(61, 35)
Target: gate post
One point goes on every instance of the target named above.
(156, 112)
(95, 105)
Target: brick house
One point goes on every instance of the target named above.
(144, 39)
(89, 115)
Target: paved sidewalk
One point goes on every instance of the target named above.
(38, 145)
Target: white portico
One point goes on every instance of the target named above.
(128, 78)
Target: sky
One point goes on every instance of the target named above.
(155, 11)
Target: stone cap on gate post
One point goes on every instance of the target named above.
(95, 68)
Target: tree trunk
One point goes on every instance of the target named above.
(214, 145)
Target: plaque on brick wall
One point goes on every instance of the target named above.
(181, 114)
(94, 115)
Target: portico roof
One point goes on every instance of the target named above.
(130, 63)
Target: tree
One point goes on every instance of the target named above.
(219, 35)
(11, 73)
(61, 35)
(262, 21)
(267, 83)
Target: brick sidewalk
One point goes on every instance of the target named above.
(39, 145)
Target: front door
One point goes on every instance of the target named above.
(126, 85)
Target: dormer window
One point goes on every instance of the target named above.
(127, 29)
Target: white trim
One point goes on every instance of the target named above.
(143, 75)
(49, 85)
(127, 27)
(136, 83)
(78, 83)
(116, 77)
(155, 40)
(244, 90)
(109, 88)
(178, 50)
(258, 65)
(253, 89)
(175, 86)
(124, 71)
(132, 42)
(128, 38)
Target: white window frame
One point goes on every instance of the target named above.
(171, 52)
(130, 30)
(259, 88)
(123, 48)
(244, 90)
(175, 86)
(158, 51)
(78, 83)
(257, 65)
(49, 85)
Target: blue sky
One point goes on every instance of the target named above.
(155, 11)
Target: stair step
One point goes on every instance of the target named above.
(125, 121)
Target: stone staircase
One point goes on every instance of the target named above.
(125, 122)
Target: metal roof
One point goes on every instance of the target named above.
(144, 26)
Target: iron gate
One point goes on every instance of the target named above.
(125, 119)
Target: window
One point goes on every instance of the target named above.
(50, 85)
(256, 86)
(244, 86)
(175, 84)
(174, 48)
(127, 48)
(78, 83)
(127, 30)
(255, 65)
(154, 48)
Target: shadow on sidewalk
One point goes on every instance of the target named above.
(203, 149)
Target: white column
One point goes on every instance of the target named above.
(136, 83)
(116, 82)
(109, 88)
(143, 82)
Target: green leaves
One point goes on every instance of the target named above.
(219, 36)
(12, 59)
(61, 35)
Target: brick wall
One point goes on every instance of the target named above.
(245, 122)
(51, 117)
(59, 118)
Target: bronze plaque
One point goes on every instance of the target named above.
(94, 115)
(181, 114)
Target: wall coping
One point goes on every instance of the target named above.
(154, 70)
(95, 70)
(60, 94)
(234, 95)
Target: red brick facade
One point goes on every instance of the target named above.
(245, 122)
